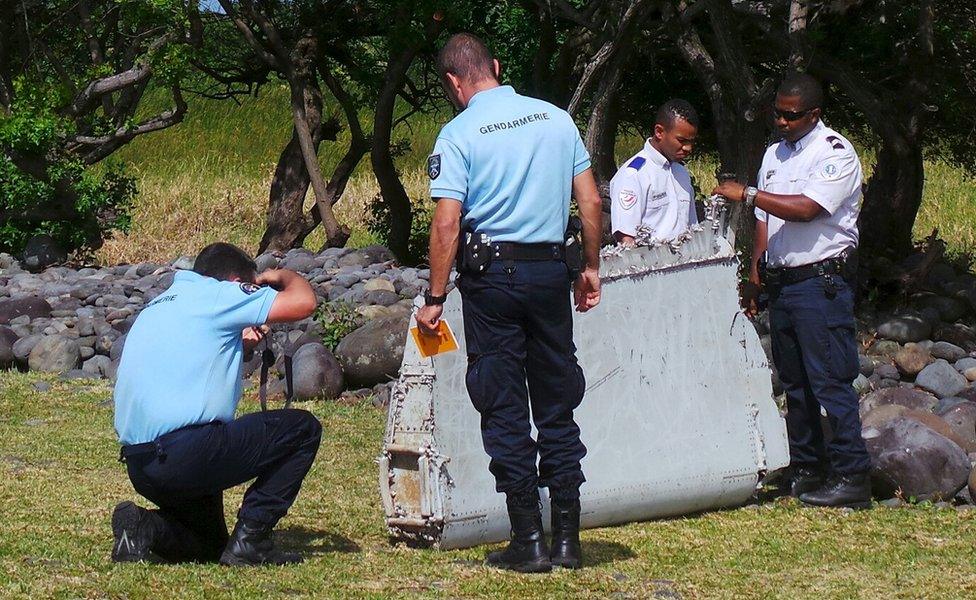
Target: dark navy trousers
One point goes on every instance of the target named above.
(815, 351)
(518, 328)
(187, 472)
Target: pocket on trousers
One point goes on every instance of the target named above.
(475, 381)
(842, 351)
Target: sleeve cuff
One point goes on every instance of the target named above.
(446, 193)
(821, 199)
(581, 167)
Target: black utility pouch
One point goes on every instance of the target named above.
(574, 247)
(474, 253)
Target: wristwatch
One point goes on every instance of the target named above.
(429, 299)
(750, 195)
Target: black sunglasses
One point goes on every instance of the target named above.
(791, 116)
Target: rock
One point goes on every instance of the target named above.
(909, 398)
(881, 415)
(376, 254)
(965, 363)
(381, 297)
(970, 374)
(910, 457)
(266, 261)
(353, 259)
(941, 379)
(115, 353)
(958, 334)
(969, 393)
(372, 354)
(32, 306)
(862, 384)
(54, 353)
(22, 347)
(961, 418)
(886, 371)
(381, 395)
(378, 283)
(947, 351)
(301, 262)
(373, 311)
(867, 365)
(98, 365)
(911, 359)
(946, 403)
(184, 263)
(905, 329)
(41, 252)
(77, 374)
(886, 348)
(42, 386)
(7, 340)
(316, 373)
(972, 484)
(949, 309)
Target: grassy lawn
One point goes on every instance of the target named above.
(61, 481)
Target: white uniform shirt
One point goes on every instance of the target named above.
(652, 191)
(822, 166)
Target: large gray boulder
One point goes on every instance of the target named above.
(316, 373)
(911, 458)
(947, 351)
(907, 397)
(372, 354)
(905, 329)
(41, 252)
(941, 379)
(22, 347)
(962, 420)
(55, 354)
(7, 340)
(32, 306)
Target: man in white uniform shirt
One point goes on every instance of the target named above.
(807, 202)
(651, 195)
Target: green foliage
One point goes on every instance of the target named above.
(72, 204)
(337, 319)
(380, 224)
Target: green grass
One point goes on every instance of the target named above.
(61, 480)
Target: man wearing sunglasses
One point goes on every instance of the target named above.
(807, 203)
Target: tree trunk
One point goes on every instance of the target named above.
(891, 201)
(601, 129)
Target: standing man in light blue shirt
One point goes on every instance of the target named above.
(503, 171)
(179, 383)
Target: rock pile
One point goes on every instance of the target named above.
(918, 396)
(74, 322)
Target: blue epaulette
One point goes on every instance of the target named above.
(637, 163)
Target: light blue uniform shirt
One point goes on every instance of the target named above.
(181, 364)
(510, 160)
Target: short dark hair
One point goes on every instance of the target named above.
(467, 57)
(805, 86)
(675, 109)
(224, 261)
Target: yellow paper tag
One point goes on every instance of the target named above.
(432, 345)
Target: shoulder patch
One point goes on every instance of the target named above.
(250, 288)
(835, 142)
(637, 163)
(627, 199)
(829, 171)
(434, 166)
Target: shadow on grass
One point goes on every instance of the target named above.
(312, 542)
(601, 552)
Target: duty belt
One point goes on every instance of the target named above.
(778, 277)
(538, 252)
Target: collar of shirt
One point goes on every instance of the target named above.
(804, 141)
(656, 157)
(501, 91)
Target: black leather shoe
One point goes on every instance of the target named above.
(842, 491)
(527, 551)
(132, 529)
(565, 550)
(251, 544)
(805, 479)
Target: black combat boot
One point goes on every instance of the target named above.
(565, 550)
(805, 479)
(527, 551)
(251, 544)
(134, 533)
(842, 491)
